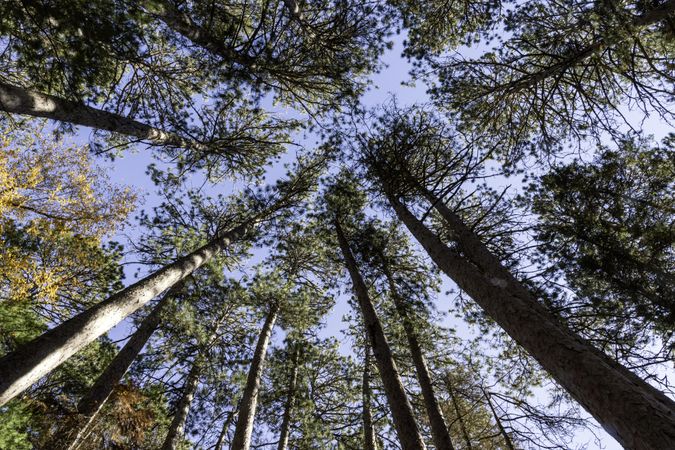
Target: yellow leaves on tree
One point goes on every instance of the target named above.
(56, 208)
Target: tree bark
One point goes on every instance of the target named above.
(26, 365)
(439, 429)
(633, 412)
(249, 400)
(290, 400)
(368, 430)
(223, 431)
(460, 416)
(498, 421)
(177, 427)
(17, 100)
(404, 419)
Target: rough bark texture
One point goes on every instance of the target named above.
(460, 416)
(404, 419)
(26, 365)
(249, 399)
(17, 100)
(290, 400)
(439, 429)
(633, 412)
(177, 427)
(368, 430)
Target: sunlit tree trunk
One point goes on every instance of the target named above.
(401, 410)
(249, 399)
(17, 100)
(439, 429)
(628, 408)
(368, 430)
(177, 427)
(26, 365)
(224, 429)
(290, 400)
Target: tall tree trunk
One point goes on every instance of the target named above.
(404, 419)
(26, 365)
(458, 412)
(498, 421)
(223, 431)
(249, 399)
(368, 430)
(89, 405)
(17, 100)
(290, 400)
(177, 427)
(628, 408)
(439, 429)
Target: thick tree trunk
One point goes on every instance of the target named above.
(633, 412)
(177, 427)
(368, 430)
(439, 429)
(290, 400)
(89, 405)
(29, 363)
(249, 400)
(401, 410)
(17, 100)
(498, 421)
(458, 412)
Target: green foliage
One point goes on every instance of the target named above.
(14, 422)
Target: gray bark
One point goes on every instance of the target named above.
(290, 400)
(249, 400)
(26, 365)
(368, 430)
(404, 419)
(223, 431)
(633, 412)
(17, 100)
(439, 429)
(177, 427)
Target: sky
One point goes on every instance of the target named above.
(130, 170)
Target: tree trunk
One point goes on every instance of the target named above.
(460, 416)
(404, 419)
(89, 405)
(368, 430)
(26, 365)
(498, 421)
(223, 431)
(17, 100)
(439, 429)
(249, 400)
(177, 427)
(290, 400)
(628, 408)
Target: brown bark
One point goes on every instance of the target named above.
(368, 430)
(401, 410)
(17, 100)
(633, 412)
(177, 427)
(290, 400)
(439, 429)
(249, 399)
(26, 365)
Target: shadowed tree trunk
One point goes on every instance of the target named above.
(26, 365)
(249, 399)
(404, 419)
(368, 430)
(498, 421)
(17, 100)
(439, 429)
(458, 412)
(633, 412)
(290, 400)
(177, 427)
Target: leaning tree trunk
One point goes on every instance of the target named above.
(18, 100)
(628, 408)
(439, 429)
(290, 400)
(505, 436)
(26, 365)
(249, 399)
(224, 429)
(177, 427)
(401, 410)
(458, 412)
(89, 405)
(368, 430)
